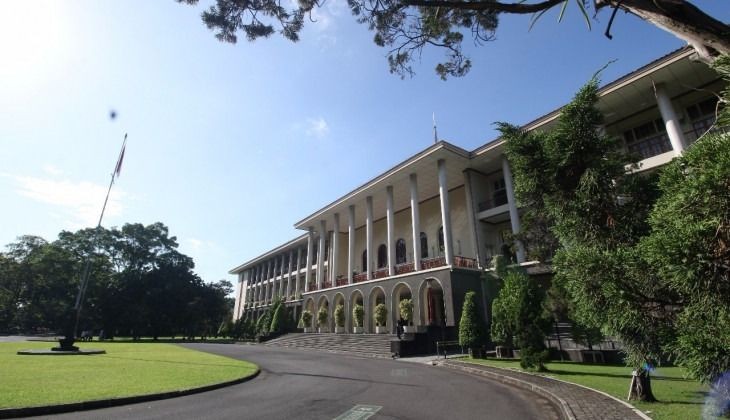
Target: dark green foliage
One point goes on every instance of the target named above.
(277, 319)
(322, 317)
(139, 284)
(472, 332)
(306, 319)
(358, 315)
(340, 316)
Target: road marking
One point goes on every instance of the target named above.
(359, 412)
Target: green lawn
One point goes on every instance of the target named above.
(679, 398)
(126, 369)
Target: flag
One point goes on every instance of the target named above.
(118, 168)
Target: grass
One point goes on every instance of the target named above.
(126, 370)
(679, 398)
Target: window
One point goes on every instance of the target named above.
(400, 251)
(499, 194)
(649, 139)
(365, 261)
(702, 115)
(424, 245)
(326, 249)
(382, 256)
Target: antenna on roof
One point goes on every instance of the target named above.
(435, 133)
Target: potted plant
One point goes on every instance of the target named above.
(358, 315)
(339, 319)
(322, 317)
(381, 317)
(307, 321)
(406, 313)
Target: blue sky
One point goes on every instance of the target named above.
(229, 145)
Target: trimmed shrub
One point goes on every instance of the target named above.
(381, 315)
(340, 316)
(306, 319)
(358, 314)
(472, 332)
(406, 310)
(322, 317)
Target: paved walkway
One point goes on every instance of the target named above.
(578, 402)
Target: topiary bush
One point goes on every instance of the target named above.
(358, 314)
(381, 315)
(472, 331)
(306, 319)
(406, 310)
(340, 316)
(322, 317)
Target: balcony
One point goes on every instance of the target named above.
(464, 262)
(380, 273)
(650, 146)
(341, 281)
(358, 278)
(404, 268)
(434, 262)
(495, 210)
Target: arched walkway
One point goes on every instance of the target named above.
(377, 296)
(356, 298)
(400, 291)
(431, 302)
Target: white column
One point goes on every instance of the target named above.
(281, 278)
(288, 274)
(369, 235)
(671, 121)
(335, 248)
(514, 216)
(389, 220)
(471, 216)
(296, 276)
(445, 212)
(308, 268)
(320, 253)
(259, 284)
(415, 223)
(350, 243)
(269, 282)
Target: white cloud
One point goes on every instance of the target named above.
(52, 170)
(78, 204)
(195, 244)
(317, 127)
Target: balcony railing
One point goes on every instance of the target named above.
(434, 262)
(465, 262)
(404, 268)
(340, 281)
(497, 200)
(651, 146)
(326, 284)
(357, 278)
(380, 273)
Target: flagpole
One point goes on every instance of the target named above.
(67, 342)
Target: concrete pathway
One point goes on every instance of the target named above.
(577, 401)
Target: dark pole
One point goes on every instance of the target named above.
(67, 343)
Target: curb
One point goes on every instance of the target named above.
(568, 413)
(7, 413)
(559, 402)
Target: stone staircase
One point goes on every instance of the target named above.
(368, 345)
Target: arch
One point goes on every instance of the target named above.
(400, 251)
(400, 291)
(309, 306)
(382, 256)
(431, 297)
(356, 298)
(323, 302)
(339, 299)
(377, 296)
(424, 245)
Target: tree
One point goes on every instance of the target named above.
(472, 332)
(381, 314)
(358, 315)
(405, 308)
(405, 27)
(322, 317)
(340, 316)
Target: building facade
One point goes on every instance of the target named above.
(428, 228)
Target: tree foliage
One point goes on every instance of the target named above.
(140, 284)
(405, 27)
(472, 331)
(381, 314)
(358, 315)
(647, 261)
(340, 316)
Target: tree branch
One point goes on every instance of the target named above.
(517, 8)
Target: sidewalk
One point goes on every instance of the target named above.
(577, 402)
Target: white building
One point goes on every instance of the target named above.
(427, 228)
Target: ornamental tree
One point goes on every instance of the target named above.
(340, 316)
(358, 315)
(472, 332)
(381, 315)
(405, 27)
